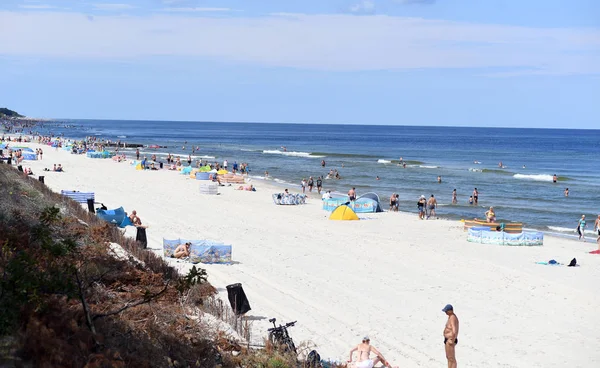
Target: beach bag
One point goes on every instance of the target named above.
(313, 360)
(573, 263)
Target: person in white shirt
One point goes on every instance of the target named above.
(225, 164)
(327, 195)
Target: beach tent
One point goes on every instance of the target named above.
(366, 203)
(205, 168)
(116, 216)
(222, 172)
(343, 212)
(186, 170)
(203, 251)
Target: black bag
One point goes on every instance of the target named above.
(141, 237)
(313, 360)
(41, 179)
(573, 263)
(237, 299)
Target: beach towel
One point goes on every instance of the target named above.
(551, 262)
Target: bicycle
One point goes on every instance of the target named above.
(280, 338)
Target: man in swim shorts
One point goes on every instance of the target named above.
(352, 194)
(364, 350)
(476, 196)
(450, 335)
(431, 205)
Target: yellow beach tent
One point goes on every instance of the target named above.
(222, 172)
(343, 212)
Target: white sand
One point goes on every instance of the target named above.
(387, 277)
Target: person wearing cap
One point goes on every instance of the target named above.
(421, 206)
(450, 335)
(364, 350)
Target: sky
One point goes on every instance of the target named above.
(501, 63)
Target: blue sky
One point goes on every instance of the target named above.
(506, 63)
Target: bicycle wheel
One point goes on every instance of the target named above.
(289, 346)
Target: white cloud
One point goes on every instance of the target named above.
(34, 7)
(199, 10)
(323, 42)
(363, 6)
(108, 6)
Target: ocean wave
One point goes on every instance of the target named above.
(428, 167)
(382, 161)
(341, 155)
(561, 229)
(534, 177)
(475, 170)
(249, 150)
(121, 136)
(291, 153)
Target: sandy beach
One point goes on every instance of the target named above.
(387, 276)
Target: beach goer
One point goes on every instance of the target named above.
(327, 195)
(303, 184)
(566, 192)
(310, 183)
(266, 174)
(394, 202)
(454, 197)
(450, 335)
(377, 177)
(421, 206)
(490, 215)
(352, 194)
(364, 350)
(500, 164)
(323, 163)
(183, 250)
(597, 230)
(439, 179)
(554, 178)
(59, 168)
(225, 164)
(581, 228)
(471, 200)
(135, 220)
(137, 154)
(431, 206)
(41, 153)
(319, 184)
(476, 196)
(54, 168)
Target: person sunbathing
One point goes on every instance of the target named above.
(364, 351)
(246, 187)
(59, 168)
(183, 250)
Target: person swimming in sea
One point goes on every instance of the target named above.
(554, 178)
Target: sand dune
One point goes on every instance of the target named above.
(387, 277)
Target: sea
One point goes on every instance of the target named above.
(367, 158)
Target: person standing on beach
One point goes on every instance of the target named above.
(454, 197)
(352, 194)
(450, 335)
(476, 196)
(319, 184)
(225, 164)
(597, 230)
(303, 184)
(137, 154)
(311, 183)
(431, 206)
(581, 228)
(421, 207)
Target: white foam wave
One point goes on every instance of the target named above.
(248, 150)
(561, 229)
(475, 170)
(534, 177)
(290, 153)
(121, 136)
(428, 167)
(382, 161)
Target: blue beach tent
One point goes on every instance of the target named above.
(116, 216)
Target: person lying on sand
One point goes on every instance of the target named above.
(182, 250)
(364, 350)
(246, 187)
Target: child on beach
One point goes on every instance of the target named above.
(581, 228)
